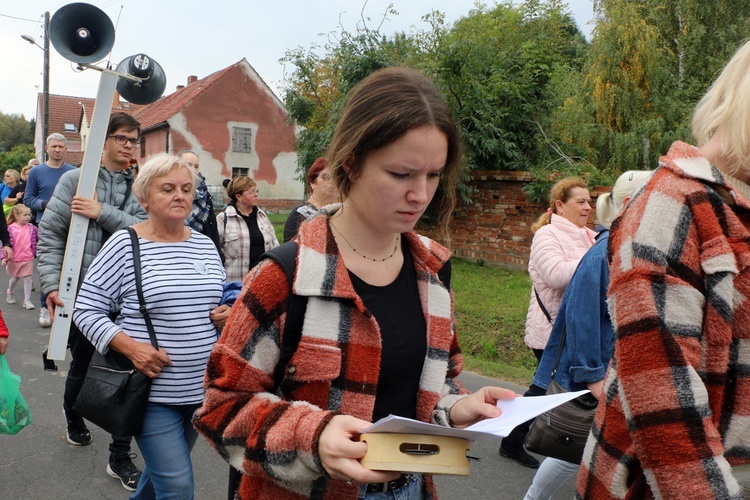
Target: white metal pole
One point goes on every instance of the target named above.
(76, 242)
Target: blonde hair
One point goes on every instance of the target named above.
(726, 106)
(560, 191)
(158, 166)
(608, 205)
(15, 212)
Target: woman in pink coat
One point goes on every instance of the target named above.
(560, 240)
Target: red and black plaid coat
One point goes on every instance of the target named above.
(677, 407)
(274, 440)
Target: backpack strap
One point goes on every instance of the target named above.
(286, 257)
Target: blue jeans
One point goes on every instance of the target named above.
(413, 490)
(165, 442)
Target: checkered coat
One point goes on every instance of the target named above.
(273, 437)
(677, 408)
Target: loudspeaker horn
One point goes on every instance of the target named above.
(146, 91)
(82, 33)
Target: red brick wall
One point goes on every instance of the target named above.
(495, 227)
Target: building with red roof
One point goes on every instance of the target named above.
(231, 119)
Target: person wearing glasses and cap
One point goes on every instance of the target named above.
(113, 207)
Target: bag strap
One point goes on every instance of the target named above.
(139, 288)
(559, 352)
(544, 309)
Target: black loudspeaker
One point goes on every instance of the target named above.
(82, 33)
(146, 91)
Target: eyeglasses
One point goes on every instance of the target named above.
(120, 140)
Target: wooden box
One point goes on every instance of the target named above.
(416, 453)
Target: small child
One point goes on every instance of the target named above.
(23, 238)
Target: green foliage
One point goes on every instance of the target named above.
(16, 158)
(15, 130)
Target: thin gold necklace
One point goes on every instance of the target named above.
(395, 247)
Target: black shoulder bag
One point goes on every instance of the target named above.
(114, 394)
(562, 431)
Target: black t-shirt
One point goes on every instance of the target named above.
(403, 332)
(257, 242)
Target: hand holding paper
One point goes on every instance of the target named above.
(515, 411)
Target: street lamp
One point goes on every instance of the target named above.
(45, 80)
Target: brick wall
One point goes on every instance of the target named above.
(495, 227)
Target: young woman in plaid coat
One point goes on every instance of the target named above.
(675, 420)
(378, 335)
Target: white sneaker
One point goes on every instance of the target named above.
(28, 305)
(9, 297)
(44, 317)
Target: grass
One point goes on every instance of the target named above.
(491, 305)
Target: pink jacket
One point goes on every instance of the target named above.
(555, 252)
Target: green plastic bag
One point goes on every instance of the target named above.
(14, 412)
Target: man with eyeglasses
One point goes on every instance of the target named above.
(40, 185)
(113, 207)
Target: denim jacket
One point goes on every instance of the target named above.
(590, 337)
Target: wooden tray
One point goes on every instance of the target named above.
(416, 453)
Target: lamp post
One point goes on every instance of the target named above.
(45, 80)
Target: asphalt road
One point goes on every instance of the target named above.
(38, 463)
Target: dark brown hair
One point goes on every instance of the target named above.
(123, 120)
(381, 109)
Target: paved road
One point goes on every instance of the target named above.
(38, 463)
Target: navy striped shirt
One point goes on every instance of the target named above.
(182, 282)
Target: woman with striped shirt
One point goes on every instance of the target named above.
(182, 279)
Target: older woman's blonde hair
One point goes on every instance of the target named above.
(158, 166)
(562, 191)
(13, 173)
(726, 106)
(608, 205)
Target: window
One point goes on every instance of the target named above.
(143, 147)
(242, 140)
(69, 127)
(240, 171)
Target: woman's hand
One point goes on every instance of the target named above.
(145, 358)
(479, 406)
(220, 315)
(597, 389)
(340, 452)
(3, 344)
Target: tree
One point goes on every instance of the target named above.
(14, 130)
(16, 158)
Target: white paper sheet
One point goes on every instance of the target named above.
(515, 412)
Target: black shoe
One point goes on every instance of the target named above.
(519, 455)
(76, 431)
(123, 468)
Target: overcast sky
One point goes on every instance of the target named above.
(192, 37)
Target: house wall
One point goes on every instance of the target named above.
(495, 227)
(240, 99)
(154, 142)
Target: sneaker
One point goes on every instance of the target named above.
(123, 468)
(9, 297)
(76, 431)
(44, 317)
(27, 305)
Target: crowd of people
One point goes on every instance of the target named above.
(280, 363)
